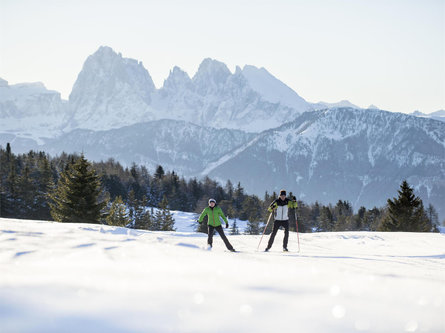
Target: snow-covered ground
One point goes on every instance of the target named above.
(60, 277)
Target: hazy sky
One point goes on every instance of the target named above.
(390, 53)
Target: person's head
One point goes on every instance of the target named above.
(283, 194)
(212, 202)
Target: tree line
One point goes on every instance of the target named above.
(68, 188)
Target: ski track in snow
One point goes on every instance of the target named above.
(93, 278)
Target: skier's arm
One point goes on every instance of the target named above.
(292, 204)
(272, 206)
(223, 216)
(204, 213)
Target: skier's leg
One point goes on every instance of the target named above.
(276, 226)
(285, 224)
(210, 235)
(224, 238)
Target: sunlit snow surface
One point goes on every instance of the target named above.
(58, 277)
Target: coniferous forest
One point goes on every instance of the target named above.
(69, 188)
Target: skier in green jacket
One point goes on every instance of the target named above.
(214, 213)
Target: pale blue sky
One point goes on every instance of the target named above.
(390, 53)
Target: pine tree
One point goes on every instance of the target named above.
(406, 212)
(239, 197)
(229, 190)
(325, 220)
(44, 185)
(253, 228)
(303, 215)
(118, 215)
(75, 199)
(26, 194)
(11, 200)
(143, 219)
(200, 206)
(372, 219)
(159, 172)
(202, 227)
(433, 217)
(234, 228)
(167, 222)
(163, 219)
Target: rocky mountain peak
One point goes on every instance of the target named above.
(177, 80)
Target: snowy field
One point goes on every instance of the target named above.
(58, 277)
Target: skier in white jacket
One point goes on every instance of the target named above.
(280, 207)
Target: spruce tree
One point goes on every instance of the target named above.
(406, 212)
(142, 217)
(202, 227)
(433, 217)
(159, 174)
(167, 222)
(234, 229)
(11, 189)
(325, 220)
(253, 228)
(44, 185)
(75, 199)
(118, 215)
(200, 206)
(26, 194)
(132, 205)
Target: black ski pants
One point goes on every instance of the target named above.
(220, 230)
(276, 225)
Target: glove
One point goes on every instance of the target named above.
(198, 221)
(227, 225)
(294, 198)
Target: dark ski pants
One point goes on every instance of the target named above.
(276, 225)
(221, 233)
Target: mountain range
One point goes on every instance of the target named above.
(245, 126)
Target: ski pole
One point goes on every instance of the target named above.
(270, 215)
(298, 237)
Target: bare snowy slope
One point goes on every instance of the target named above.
(91, 278)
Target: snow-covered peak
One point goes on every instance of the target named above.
(29, 110)
(212, 67)
(177, 80)
(23, 90)
(211, 76)
(373, 107)
(106, 52)
(105, 68)
(271, 89)
(418, 113)
(439, 113)
(113, 90)
(341, 104)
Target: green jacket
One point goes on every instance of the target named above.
(213, 215)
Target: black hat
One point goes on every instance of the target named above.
(282, 192)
